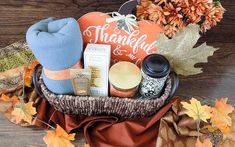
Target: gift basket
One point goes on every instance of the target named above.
(123, 107)
(101, 72)
(125, 73)
(129, 103)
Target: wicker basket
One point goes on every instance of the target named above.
(122, 107)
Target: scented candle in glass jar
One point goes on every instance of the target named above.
(124, 78)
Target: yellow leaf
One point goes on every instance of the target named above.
(86, 145)
(205, 143)
(59, 138)
(196, 110)
(24, 112)
(220, 115)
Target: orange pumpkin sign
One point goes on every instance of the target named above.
(126, 46)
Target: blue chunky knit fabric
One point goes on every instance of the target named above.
(57, 45)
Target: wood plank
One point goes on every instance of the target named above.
(12, 135)
(218, 79)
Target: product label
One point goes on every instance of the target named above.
(95, 76)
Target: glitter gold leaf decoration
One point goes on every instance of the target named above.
(180, 50)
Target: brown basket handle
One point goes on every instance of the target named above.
(36, 76)
(174, 84)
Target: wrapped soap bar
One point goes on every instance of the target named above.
(97, 58)
(80, 79)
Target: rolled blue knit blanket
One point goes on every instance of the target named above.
(57, 45)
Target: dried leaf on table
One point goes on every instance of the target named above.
(205, 143)
(24, 112)
(173, 134)
(59, 138)
(220, 115)
(196, 110)
(229, 138)
(180, 50)
(7, 102)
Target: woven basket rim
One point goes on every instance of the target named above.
(122, 107)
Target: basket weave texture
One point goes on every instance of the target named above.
(122, 107)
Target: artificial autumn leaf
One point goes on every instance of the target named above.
(229, 138)
(196, 110)
(220, 115)
(29, 72)
(24, 112)
(86, 145)
(180, 50)
(7, 102)
(6, 98)
(205, 143)
(59, 138)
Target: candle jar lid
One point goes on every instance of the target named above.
(125, 75)
(156, 66)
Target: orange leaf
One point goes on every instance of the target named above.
(5, 98)
(29, 72)
(220, 115)
(205, 143)
(24, 112)
(6, 102)
(59, 138)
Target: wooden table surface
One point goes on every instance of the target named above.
(218, 79)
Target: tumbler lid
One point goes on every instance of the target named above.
(156, 66)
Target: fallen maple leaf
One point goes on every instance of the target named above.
(229, 138)
(7, 102)
(180, 50)
(14, 99)
(59, 138)
(86, 145)
(196, 110)
(205, 143)
(220, 115)
(24, 112)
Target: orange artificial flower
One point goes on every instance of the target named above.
(156, 14)
(213, 15)
(159, 2)
(195, 9)
(170, 30)
(145, 3)
(142, 9)
(173, 15)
